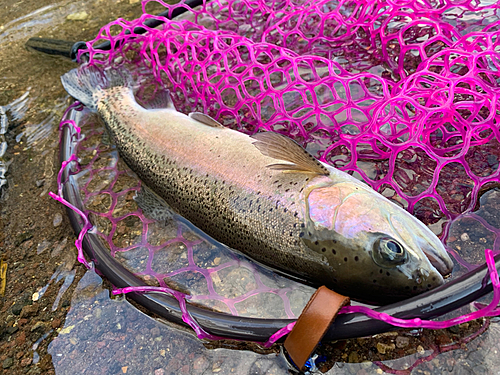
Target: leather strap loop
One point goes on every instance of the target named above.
(313, 323)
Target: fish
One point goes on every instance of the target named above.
(266, 196)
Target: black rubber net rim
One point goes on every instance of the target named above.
(431, 304)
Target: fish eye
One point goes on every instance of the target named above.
(388, 252)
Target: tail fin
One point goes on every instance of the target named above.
(86, 81)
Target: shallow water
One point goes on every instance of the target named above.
(57, 317)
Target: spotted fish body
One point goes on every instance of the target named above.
(267, 197)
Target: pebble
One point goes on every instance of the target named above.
(22, 322)
(78, 16)
(8, 363)
(26, 362)
(200, 364)
(56, 323)
(28, 310)
(21, 338)
(11, 330)
(464, 237)
(384, 348)
(16, 309)
(402, 342)
(353, 357)
(57, 219)
(42, 246)
(39, 324)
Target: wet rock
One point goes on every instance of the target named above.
(57, 219)
(402, 342)
(42, 326)
(384, 348)
(78, 16)
(21, 338)
(56, 323)
(8, 363)
(353, 357)
(26, 362)
(200, 364)
(11, 330)
(22, 322)
(16, 309)
(42, 246)
(28, 310)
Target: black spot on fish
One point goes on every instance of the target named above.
(323, 249)
(388, 274)
(356, 258)
(334, 252)
(345, 259)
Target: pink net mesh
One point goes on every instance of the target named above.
(403, 95)
(395, 95)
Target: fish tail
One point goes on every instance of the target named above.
(86, 82)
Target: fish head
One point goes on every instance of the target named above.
(377, 251)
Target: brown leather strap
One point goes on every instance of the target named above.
(312, 324)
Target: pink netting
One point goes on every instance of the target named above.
(391, 91)
(404, 95)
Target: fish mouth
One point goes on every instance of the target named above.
(443, 265)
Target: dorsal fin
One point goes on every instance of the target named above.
(161, 100)
(205, 119)
(278, 146)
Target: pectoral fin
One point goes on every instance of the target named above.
(205, 119)
(278, 146)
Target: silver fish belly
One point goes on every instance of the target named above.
(226, 191)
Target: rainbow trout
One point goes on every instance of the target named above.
(267, 197)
